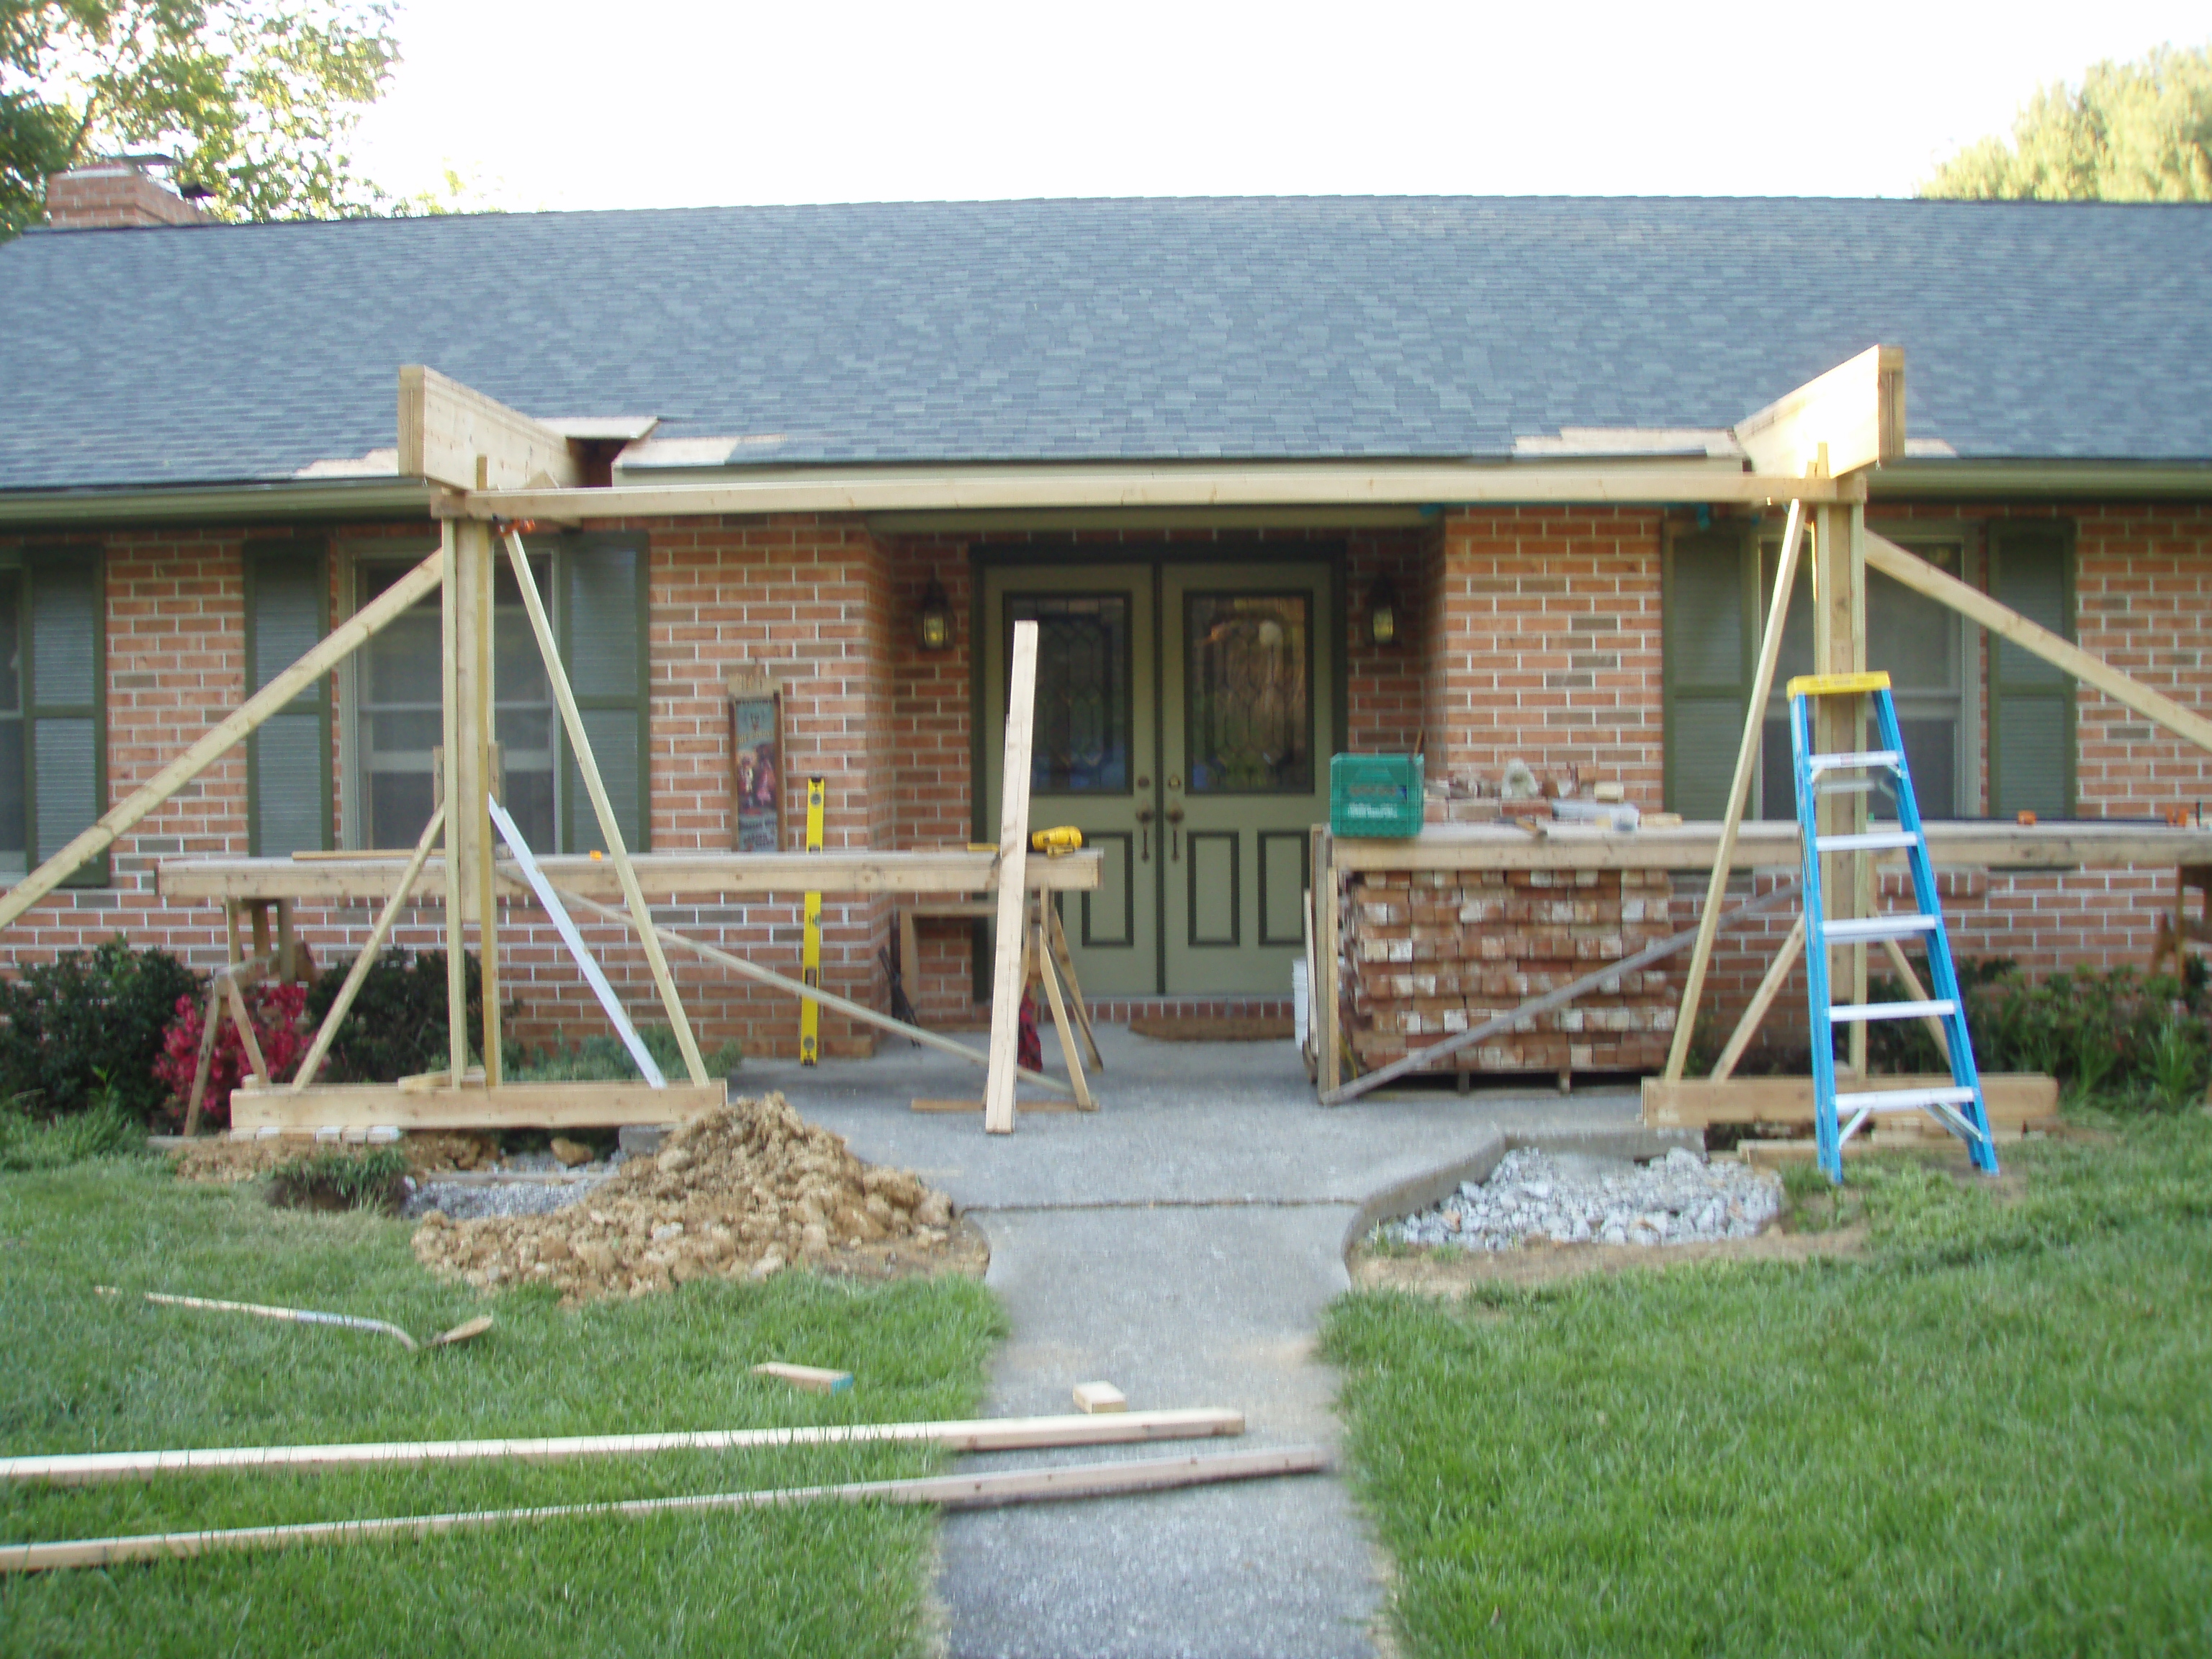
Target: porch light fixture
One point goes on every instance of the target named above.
(1383, 612)
(933, 621)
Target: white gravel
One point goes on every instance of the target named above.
(1678, 1199)
(465, 1201)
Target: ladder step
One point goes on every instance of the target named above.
(1866, 1011)
(1871, 929)
(1869, 840)
(1903, 1100)
(1854, 761)
(1844, 786)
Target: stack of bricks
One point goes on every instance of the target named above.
(1429, 952)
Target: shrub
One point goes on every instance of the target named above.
(85, 1019)
(397, 1026)
(275, 1012)
(602, 1059)
(104, 1129)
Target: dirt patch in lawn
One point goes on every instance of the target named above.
(222, 1160)
(1450, 1270)
(740, 1192)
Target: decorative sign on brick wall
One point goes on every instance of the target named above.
(756, 761)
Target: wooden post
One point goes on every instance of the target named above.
(1746, 763)
(1013, 883)
(459, 863)
(1328, 919)
(477, 701)
(1064, 959)
(367, 959)
(1762, 1000)
(209, 1028)
(1049, 974)
(271, 699)
(244, 1021)
(587, 766)
(1840, 724)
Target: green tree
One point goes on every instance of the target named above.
(256, 99)
(2134, 133)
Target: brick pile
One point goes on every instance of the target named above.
(1429, 952)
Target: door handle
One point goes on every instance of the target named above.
(1144, 829)
(1174, 834)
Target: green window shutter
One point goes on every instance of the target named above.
(2031, 701)
(1708, 595)
(288, 761)
(602, 579)
(66, 699)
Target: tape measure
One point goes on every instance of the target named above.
(1053, 842)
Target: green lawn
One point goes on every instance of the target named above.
(83, 1373)
(1992, 1434)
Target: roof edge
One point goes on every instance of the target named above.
(2042, 480)
(149, 503)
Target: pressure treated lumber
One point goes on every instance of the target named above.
(511, 1106)
(271, 699)
(454, 435)
(850, 1009)
(1544, 1004)
(1007, 978)
(359, 972)
(985, 1434)
(455, 866)
(663, 877)
(588, 768)
(1922, 577)
(2012, 1098)
(951, 1492)
(1746, 763)
(1851, 418)
(814, 1379)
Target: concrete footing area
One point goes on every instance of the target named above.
(1181, 1243)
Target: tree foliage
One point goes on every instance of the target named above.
(256, 99)
(2134, 133)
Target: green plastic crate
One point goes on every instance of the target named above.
(1375, 795)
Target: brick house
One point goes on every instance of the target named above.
(196, 475)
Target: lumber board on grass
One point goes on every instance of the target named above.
(2012, 1098)
(454, 435)
(1850, 417)
(1922, 577)
(814, 1379)
(664, 877)
(983, 1434)
(1773, 843)
(511, 1106)
(1008, 980)
(956, 1491)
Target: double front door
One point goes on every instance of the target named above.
(1185, 716)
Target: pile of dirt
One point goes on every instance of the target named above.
(222, 1160)
(739, 1192)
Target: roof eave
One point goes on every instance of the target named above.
(2043, 480)
(278, 500)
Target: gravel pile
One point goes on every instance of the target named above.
(1678, 1199)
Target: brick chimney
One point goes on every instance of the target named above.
(115, 191)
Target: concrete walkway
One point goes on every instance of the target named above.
(1182, 1243)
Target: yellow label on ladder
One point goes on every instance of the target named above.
(810, 961)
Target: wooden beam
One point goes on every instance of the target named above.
(955, 1491)
(587, 767)
(1048, 972)
(1773, 844)
(272, 699)
(358, 973)
(1275, 485)
(1747, 766)
(1329, 920)
(1762, 999)
(1851, 418)
(454, 435)
(2012, 1098)
(983, 1434)
(511, 1106)
(1007, 979)
(1922, 577)
(663, 877)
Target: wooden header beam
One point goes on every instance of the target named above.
(1855, 413)
(454, 435)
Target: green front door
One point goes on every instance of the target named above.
(1184, 720)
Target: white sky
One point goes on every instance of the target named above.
(665, 103)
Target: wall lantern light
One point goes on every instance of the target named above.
(933, 621)
(1383, 612)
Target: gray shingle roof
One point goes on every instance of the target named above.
(1075, 330)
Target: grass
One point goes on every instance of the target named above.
(85, 1373)
(603, 1059)
(1991, 1433)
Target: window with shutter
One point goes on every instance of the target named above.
(603, 645)
(1708, 653)
(2031, 702)
(53, 687)
(288, 761)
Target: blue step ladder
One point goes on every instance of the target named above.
(1960, 1107)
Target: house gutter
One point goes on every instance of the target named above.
(1952, 480)
(284, 499)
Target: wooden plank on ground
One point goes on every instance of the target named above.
(1851, 416)
(454, 435)
(2012, 1098)
(513, 1106)
(814, 1379)
(1013, 887)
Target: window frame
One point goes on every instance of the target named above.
(258, 554)
(23, 564)
(2066, 690)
